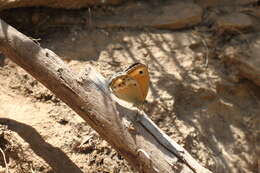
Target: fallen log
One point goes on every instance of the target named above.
(141, 142)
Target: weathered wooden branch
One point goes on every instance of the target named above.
(141, 142)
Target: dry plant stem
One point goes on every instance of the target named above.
(146, 148)
(6, 165)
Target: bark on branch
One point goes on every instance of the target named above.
(146, 147)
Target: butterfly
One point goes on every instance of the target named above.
(132, 84)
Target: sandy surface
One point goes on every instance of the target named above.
(193, 97)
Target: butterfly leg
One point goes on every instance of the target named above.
(137, 116)
(138, 113)
(135, 119)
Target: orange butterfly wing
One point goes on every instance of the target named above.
(127, 89)
(131, 85)
(140, 73)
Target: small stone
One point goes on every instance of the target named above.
(219, 3)
(246, 62)
(6, 4)
(173, 15)
(234, 22)
(177, 16)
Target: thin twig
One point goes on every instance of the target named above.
(6, 165)
(32, 170)
(204, 42)
(207, 52)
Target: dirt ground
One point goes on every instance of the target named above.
(195, 97)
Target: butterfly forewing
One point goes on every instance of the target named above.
(127, 89)
(132, 84)
(140, 73)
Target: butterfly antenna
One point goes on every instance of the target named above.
(146, 62)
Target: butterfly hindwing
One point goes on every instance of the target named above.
(140, 73)
(132, 84)
(127, 89)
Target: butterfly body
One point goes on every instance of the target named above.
(132, 84)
